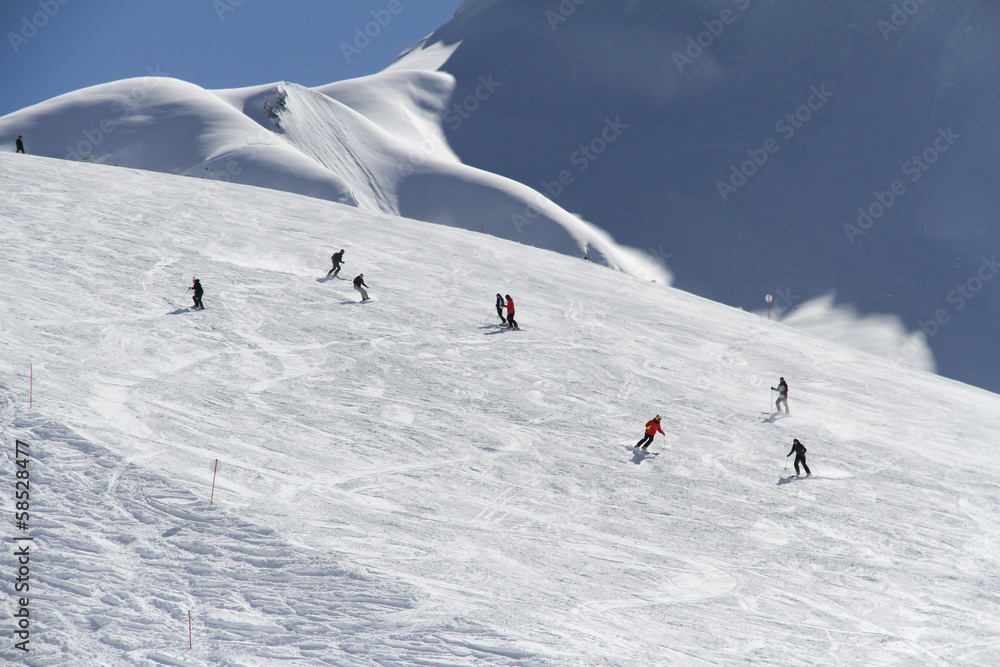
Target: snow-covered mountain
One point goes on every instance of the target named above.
(402, 483)
(288, 137)
(837, 157)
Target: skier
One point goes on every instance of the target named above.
(782, 390)
(19, 144)
(337, 258)
(652, 428)
(800, 457)
(500, 307)
(511, 323)
(359, 284)
(198, 291)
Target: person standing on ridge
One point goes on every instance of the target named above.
(500, 307)
(800, 457)
(198, 291)
(782, 390)
(337, 258)
(511, 323)
(359, 284)
(652, 428)
(19, 144)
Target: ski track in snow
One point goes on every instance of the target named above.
(398, 486)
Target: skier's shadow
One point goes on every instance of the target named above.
(786, 480)
(775, 417)
(640, 455)
(179, 311)
(495, 329)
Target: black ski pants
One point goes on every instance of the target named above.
(646, 440)
(800, 458)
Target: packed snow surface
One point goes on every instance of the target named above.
(401, 482)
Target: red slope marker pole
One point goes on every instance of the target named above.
(214, 472)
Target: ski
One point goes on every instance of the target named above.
(644, 451)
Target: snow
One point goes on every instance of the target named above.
(287, 137)
(406, 484)
(593, 139)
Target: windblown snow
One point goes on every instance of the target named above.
(401, 482)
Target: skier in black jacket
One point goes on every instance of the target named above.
(782, 390)
(198, 291)
(800, 456)
(500, 307)
(337, 258)
(359, 284)
(19, 145)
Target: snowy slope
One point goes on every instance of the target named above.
(401, 483)
(287, 137)
(583, 124)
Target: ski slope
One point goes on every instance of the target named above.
(402, 483)
(287, 137)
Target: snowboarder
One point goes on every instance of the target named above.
(337, 258)
(198, 291)
(19, 144)
(511, 323)
(500, 307)
(652, 428)
(782, 390)
(800, 457)
(359, 284)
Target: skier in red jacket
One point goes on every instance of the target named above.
(652, 428)
(511, 323)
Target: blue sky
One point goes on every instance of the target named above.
(51, 47)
